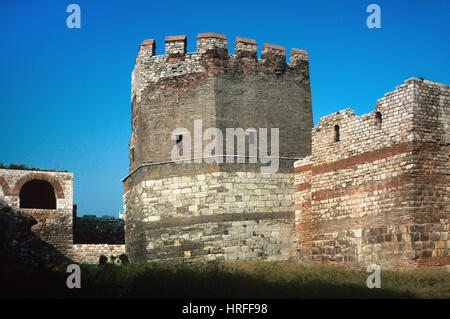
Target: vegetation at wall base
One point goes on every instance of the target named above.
(260, 279)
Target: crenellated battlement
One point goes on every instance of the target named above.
(211, 57)
(214, 43)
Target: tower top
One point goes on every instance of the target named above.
(209, 42)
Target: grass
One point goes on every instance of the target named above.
(24, 167)
(239, 280)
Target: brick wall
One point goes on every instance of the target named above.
(379, 193)
(237, 91)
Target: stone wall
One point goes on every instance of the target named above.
(375, 188)
(90, 253)
(54, 226)
(213, 216)
(15, 242)
(95, 236)
(54, 231)
(22, 251)
(91, 229)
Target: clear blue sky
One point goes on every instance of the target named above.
(65, 93)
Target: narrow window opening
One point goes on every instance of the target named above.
(132, 154)
(337, 136)
(378, 120)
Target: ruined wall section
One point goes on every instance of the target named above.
(431, 172)
(374, 193)
(432, 148)
(54, 226)
(91, 229)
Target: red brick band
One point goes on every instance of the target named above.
(211, 35)
(175, 38)
(273, 47)
(303, 168)
(367, 157)
(148, 42)
(304, 205)
(302, 187)
(373, 186)
(244, 40)
(41, 214)
(298, 51)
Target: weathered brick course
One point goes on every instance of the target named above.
(377, 193)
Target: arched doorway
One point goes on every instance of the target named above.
(37, 194)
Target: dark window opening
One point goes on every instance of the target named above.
(180, 142)
(337, 136)
(132, 154)
(378, 120)
(37, 194)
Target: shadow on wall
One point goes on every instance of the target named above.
(22, 251)
(91, 229)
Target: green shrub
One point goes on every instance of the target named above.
(242, 280)
(124, 259)
(102, 260)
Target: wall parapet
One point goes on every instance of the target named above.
(210, 42)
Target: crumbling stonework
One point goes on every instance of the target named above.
(49, 204)
(375, 188)
(217, 209)
(54, 225)
(15, 242)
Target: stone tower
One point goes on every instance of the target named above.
(207, 208)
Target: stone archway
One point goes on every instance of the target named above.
(37, 194)
(59, 193)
